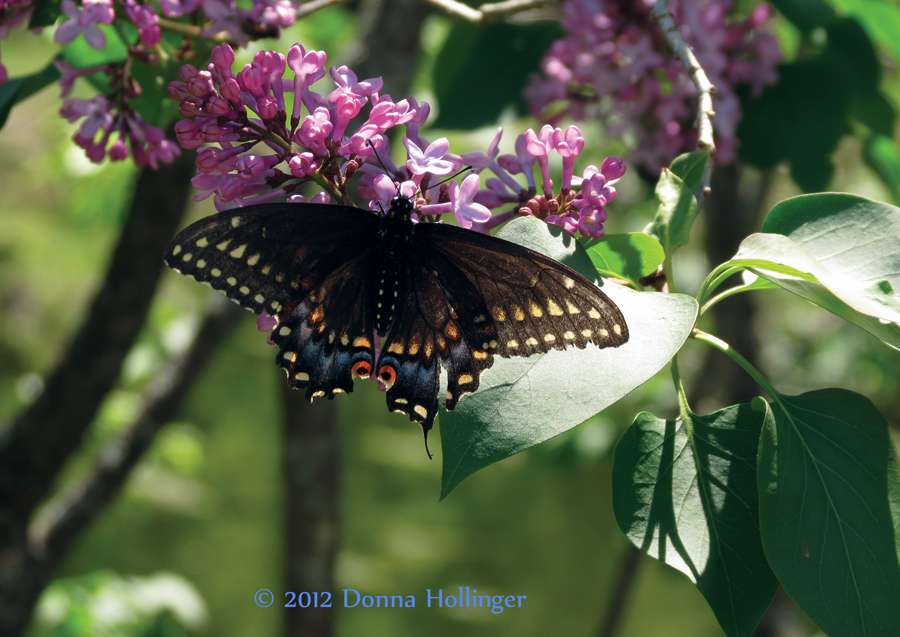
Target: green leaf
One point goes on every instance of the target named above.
(829, 490)
(786, 263)
(524, 401)
(20, 89)
(676, 213)
(689, 167)
(45, 14)
(854, 239)
(498, 59)
(880, 19)
(628, 256)
(684, 492)
(806, 15)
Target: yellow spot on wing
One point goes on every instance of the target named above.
(531, 341)
(224, 245)
(588, 333)
(513, 344)
(536, 310)
(549, 338)
(302, 376)
(284, 331)
(235, 222)
(553, 308)
(202, 242)
(569, 283)
(216, 272)
(617, 329)
(517, 313)
(571, 307)
(479, 355)
(253, 260)
(362, 341)
(238, 252)
(176, 250)
(231, 280)
(594, 314)
(290, 356)
(259, 298)
(396, 347)
(244, 289)
(421, 410)
(465, 379)
(498, 314)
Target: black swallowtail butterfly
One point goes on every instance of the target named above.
(437, 295)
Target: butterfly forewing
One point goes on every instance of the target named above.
(263, 257)
(532, 303)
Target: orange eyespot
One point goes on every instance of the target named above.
(387, 375)
(362, 369)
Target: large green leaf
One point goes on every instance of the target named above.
(628, 256)
(829, 510)
(839, 251)
(787, 264)
(684, 492)
(524, 401)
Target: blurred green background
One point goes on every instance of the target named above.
(198, 529)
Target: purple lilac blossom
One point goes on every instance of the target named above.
(615, 65)
(264, 153)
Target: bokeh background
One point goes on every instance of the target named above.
(200, 525)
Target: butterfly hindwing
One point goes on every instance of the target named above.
(326, 339)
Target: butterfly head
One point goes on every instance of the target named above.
(401, 207)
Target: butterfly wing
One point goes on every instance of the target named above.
(308, 265)
(517, 302)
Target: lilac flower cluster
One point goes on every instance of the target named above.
(274, 134)
(615, 65)
(105, 115)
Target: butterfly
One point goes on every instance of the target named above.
(436, 295)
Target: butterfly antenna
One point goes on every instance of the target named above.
(453, 176)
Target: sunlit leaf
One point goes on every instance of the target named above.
(627, 256)
(524, 401)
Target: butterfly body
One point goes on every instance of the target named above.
(436, 296)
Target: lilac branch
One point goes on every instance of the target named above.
(705, 88)
(311, 7)
(67, 516)
(489, 11)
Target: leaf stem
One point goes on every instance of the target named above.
(683, 407)
(729, 351)
(714, 280)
